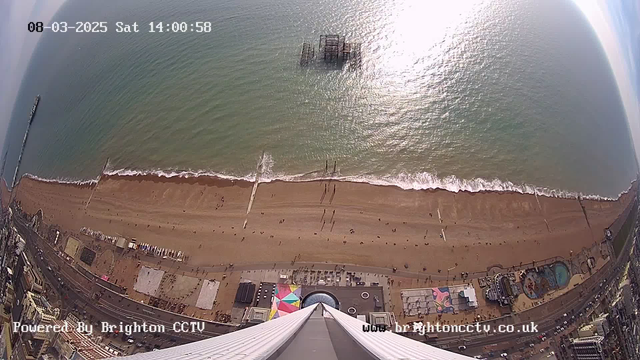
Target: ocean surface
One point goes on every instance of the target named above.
(470, 95)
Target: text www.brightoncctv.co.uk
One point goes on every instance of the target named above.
(423, 328)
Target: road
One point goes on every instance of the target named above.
(331, 266)
(545, 316)
(120, 308)
(108, 305)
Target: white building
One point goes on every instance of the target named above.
(307, 334)
(588, 348)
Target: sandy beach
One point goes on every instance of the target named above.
(348, 223)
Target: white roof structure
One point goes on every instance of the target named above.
(256, 342)
(121, 242)
(304, 334)
(470, 294)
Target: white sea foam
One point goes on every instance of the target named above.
(427, 181)
(420, 181)
(68, 181)
(267, 166)
(179, 174)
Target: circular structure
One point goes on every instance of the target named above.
(320, 297)
(364, 295)
(548, 278)
(562, 274)
(352, 311)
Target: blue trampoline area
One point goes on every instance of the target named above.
(536, 284)
(562, 274)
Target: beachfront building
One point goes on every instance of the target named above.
(5, 341)
(587, 330)
(28, 276)
(37, 311)
(601, 325)
(314, 332)
(502, 289)
(73, 344)
(387, 319)
(256, 315)
(623, 318)
(468, 293)
(588, 348)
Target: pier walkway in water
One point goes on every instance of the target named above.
(259, 169)
(24, 141)
(334, 52)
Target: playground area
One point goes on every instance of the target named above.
(538, 282)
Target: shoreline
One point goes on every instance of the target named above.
(202, 178)
(327, 221)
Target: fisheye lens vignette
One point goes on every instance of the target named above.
(334, 180)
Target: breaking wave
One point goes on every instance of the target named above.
(67, 181)
(428, 181)
(419, 181)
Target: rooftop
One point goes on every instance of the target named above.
(588, 339)
(83, 345)
(41, 303)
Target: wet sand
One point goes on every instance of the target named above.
(372, 225)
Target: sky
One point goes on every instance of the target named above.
(625, 18)
(616, 23)
(16, 46)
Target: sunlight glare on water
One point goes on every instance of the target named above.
(457, 94)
